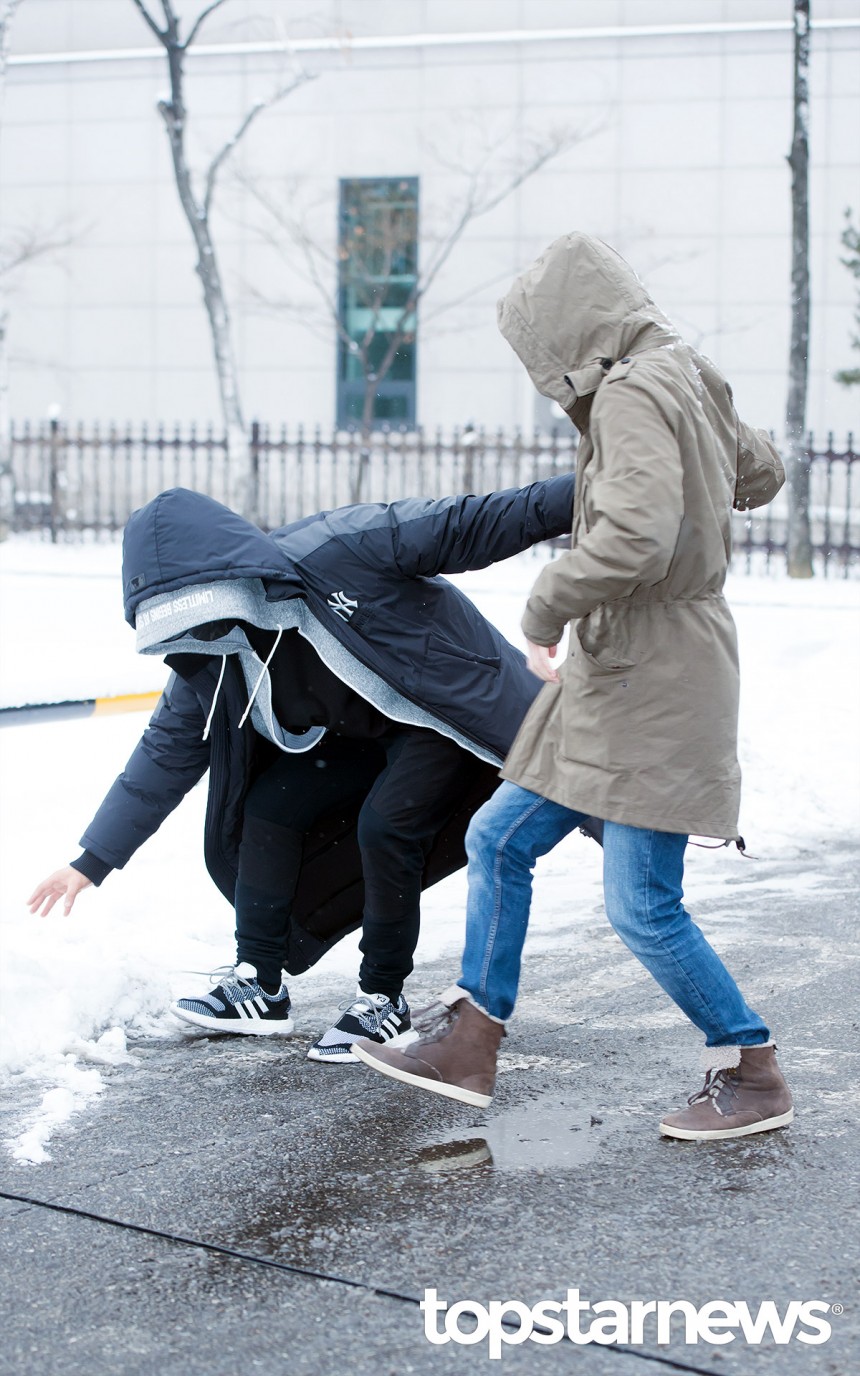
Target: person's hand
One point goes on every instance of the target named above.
(539, 657)
(66, 883)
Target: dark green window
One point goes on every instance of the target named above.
(378, 267)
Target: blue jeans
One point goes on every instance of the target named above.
(642, 877)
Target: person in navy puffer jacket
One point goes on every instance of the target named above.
(352, 708)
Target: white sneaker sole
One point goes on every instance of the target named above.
(767, 1125)
(245, 1027)
(465, 1096)
(346, 1057)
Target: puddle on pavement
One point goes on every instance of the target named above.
(536, 1137)
(352, 1182)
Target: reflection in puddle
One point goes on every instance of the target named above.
(532, 1137)
(328, 1198)
(454, 1156)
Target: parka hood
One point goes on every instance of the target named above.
(181, 539)
(578, 305)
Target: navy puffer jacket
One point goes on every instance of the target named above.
(370, 576)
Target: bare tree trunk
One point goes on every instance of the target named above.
(174, 114)
(797, 462)
(370, 385)
(242, 477)
(7, 481)
(7, 477)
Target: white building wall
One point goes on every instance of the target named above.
(684, 171)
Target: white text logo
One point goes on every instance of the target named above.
(510, 1322)
(187, 603)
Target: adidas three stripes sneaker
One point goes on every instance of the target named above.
(374, 1016)
(238, 1004)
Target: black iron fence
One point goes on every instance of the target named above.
(84, 482)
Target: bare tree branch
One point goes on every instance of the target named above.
(6, 17)
(302, 239)
(220, 158)
(474, 206)
(263, 303)
(330, 300)
(199, 22)
(7, 14)
(26, 245)
(444, 307)
(383, 323)
(161, 36)
(7, 486)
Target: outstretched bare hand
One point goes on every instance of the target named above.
(66, 882)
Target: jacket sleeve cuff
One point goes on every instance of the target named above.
(536, 630)
(91, 867)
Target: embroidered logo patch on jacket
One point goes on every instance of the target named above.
(342, 605)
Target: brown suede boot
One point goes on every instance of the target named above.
(456, 1055)
(748, 1097)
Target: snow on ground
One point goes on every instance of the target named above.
(73, 989)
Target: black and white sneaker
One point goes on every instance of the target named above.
(238, 1004)
(369, 1015)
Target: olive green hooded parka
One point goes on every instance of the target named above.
(642, 728)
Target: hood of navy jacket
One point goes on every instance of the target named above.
(182, 538)
(365, 585)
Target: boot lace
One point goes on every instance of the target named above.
(434, 1022)
(717, 1083)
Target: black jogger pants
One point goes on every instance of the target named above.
(411, 781)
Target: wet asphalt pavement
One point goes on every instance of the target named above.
(563, 1183)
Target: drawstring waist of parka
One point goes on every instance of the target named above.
(642, 600)
(721, 845)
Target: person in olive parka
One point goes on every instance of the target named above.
(638, 727)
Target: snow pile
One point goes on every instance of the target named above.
(71, 989)
(76, 1089)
